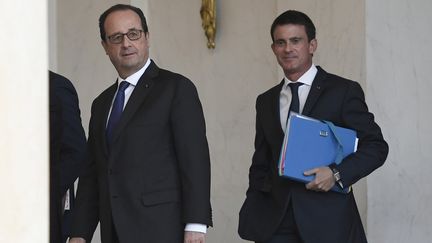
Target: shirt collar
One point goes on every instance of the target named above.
(134, 78)
(307, 78)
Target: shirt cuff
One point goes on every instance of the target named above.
(202, 228)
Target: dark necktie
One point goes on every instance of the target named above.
(116, 111)
(295, 103)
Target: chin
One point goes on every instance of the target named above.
(289, 69)
(129, 65)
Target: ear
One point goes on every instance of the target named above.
(105, 46)
(273, 48)
(147, 38)
(313, 44)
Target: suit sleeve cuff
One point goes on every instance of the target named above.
(202, 228)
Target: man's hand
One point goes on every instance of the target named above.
(194, 237)
(323, 181)
(77, 240)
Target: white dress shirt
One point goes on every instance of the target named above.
(303, 92)
(133, 80)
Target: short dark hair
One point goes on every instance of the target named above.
(121, 7)
(297, 18)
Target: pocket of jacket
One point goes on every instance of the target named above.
(160, 197)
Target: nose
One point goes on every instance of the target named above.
(126, 42)
(288, 47)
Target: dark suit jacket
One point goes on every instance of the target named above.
(68, 143)
(321, 217)
(156, 176)
(55, 117)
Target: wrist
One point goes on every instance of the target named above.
(336, 175)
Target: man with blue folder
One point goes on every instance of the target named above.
(280, 210)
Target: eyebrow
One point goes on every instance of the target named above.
(290, 39)
(118, 32)
(296, 38)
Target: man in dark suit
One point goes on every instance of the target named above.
(68, 143)
(279, 210)
(149, 170)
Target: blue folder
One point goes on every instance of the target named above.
(311, 143)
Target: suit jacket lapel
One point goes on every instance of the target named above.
(318, 86)
(138, 96)
(276, 107)
(271, 116)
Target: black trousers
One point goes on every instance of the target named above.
(114, 236)
(287, 231)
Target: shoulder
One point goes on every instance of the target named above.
(336, 83)
(174, 78)
(167, 77)
(59, 81)
(333, 79)
(105, 96)
(63, 88)
(175, 82)
(269, 94)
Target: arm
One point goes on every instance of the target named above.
(86, 213)
(372, 149)
(189, 134)
(73, 141)
(260, 168)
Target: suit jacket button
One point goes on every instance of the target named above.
(146, 85)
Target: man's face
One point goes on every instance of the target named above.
(128, 56)
(292, 49)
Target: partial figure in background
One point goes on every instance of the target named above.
(280, 210)
(68, 145)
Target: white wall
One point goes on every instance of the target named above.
(24, 122)
(399, 56)
(52, 35)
